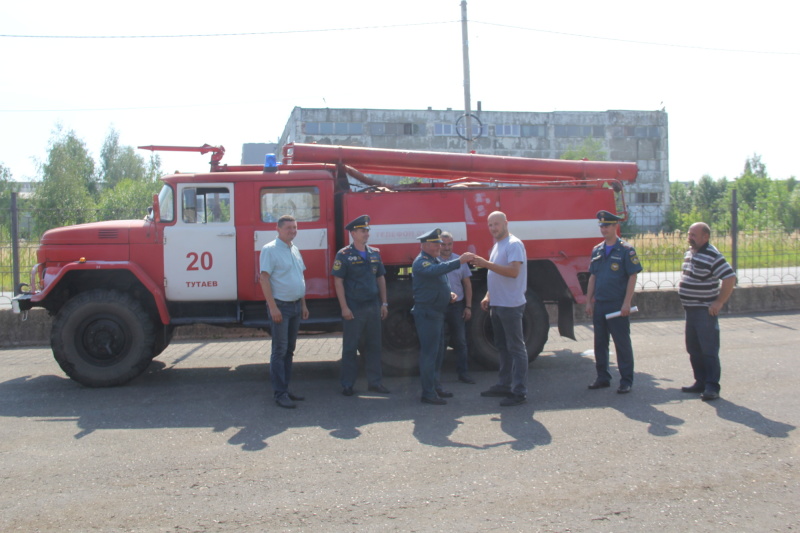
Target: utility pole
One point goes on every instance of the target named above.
(467, 105)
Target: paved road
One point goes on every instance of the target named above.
(197, 445)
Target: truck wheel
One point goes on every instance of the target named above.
(103, 338)
(400, 353)
(535, 327)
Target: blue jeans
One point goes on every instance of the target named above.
(454, 319)
(702, 343)
(430, 330)
(284, 340)
(510, 342)
(618, 329)
(363, 332)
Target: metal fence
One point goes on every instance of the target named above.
(759, 258)
(769, 257)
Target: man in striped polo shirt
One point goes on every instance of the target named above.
(702, 296)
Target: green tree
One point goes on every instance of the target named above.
(66, 194)
(5, 180)
(709, 199)
(128, 200)
(753, 166)
(120, 162)
(589, 149)
(153, 171)
(680, 206)
(6, 187)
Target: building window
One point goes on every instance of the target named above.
(477, 131)
(441, 129)
(507, 130)
(392, 128)
(532, 131)
(573, 131)
(648, 198)
(334, 128)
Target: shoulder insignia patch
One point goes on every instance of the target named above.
(337, 265)
(426, 264)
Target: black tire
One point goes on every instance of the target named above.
(535, 325)
(103, 338)
(400, 353)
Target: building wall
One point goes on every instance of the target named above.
(638, 136)
(254, 153)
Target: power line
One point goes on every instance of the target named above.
(389, 26)
(240, 34)
(631, 41)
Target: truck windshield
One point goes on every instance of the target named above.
(166, 205)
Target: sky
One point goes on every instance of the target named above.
(229, 73)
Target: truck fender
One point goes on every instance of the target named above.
(154, 289)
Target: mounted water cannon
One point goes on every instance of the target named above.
(218, 152)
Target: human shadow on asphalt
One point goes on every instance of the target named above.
(572, 371)
(752, 419)
(238, 400)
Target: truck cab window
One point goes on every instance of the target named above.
(300, 202)
(206, 205)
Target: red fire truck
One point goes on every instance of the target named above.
(118, 289)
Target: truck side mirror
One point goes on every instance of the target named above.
(155, 210)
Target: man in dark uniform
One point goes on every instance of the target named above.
(613, 270)
(431, 297)
(361, 288)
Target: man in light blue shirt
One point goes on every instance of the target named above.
(507, 281)
(458, 311)
(284, 290)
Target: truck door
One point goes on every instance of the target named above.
(200, 249)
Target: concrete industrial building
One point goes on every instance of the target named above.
(638, 136)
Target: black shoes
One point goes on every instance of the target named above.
(444, 393)
(705, 394)
(514, 399)
(466, 378)
(601, 384)
(285, 402)
(624, 389)
(296, 397)
(348, 391)
(378, 388)
(496, 393)
(434, 401)
(709, 395)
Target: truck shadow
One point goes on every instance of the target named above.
(238, 400)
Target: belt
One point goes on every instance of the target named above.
(287, 301)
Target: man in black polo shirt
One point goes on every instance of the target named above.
(702, 297)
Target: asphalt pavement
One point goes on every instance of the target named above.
(196, 443)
